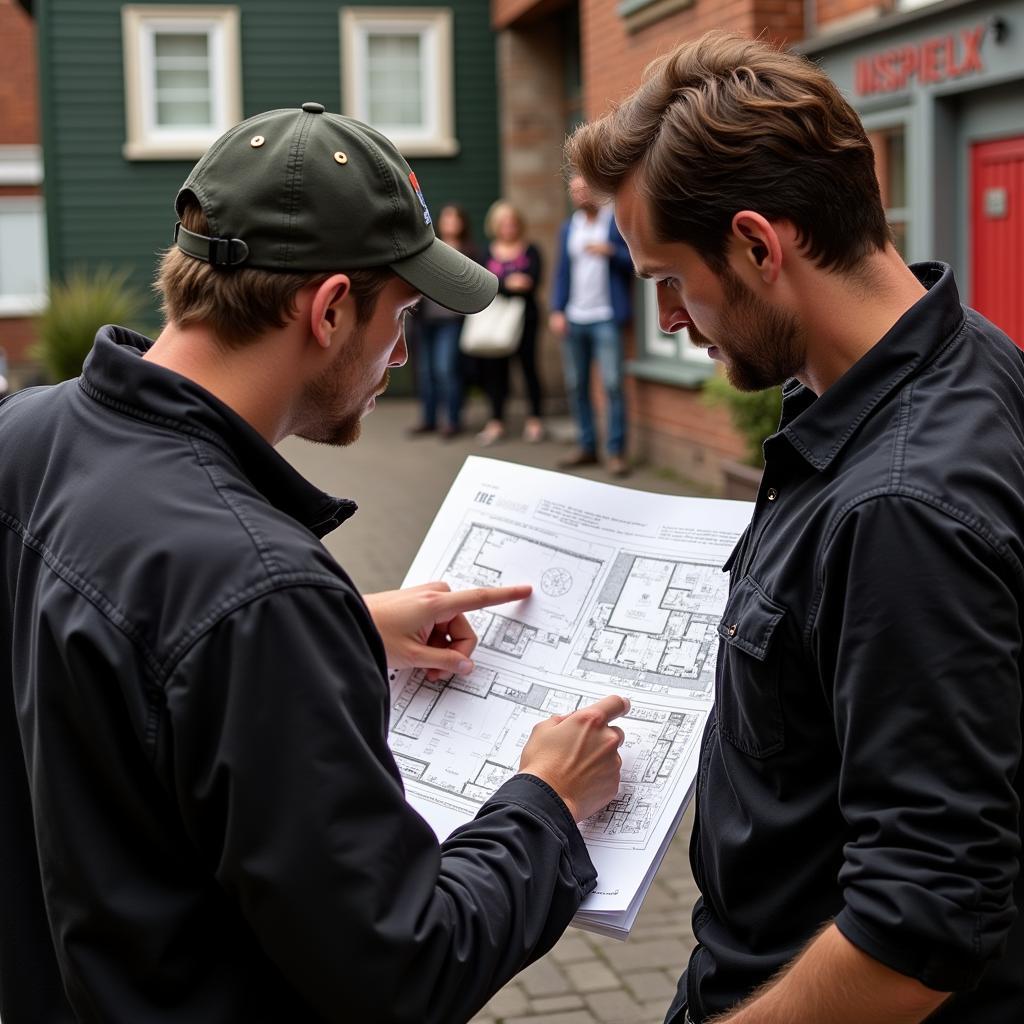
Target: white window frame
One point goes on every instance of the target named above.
(26, 305)
(434, 27)
(140, 23)
(21, 165)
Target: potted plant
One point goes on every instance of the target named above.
(755, 415)
(78, 307)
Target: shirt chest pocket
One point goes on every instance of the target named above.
(748, 706)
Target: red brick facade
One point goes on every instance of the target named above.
(19, 126)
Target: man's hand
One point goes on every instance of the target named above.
(558, 324)
(426, 626)
(600, 249)
(577, 755)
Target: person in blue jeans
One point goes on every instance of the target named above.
(591, 303)
(436, 339)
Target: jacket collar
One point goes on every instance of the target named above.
(116, 375)
(819, 427)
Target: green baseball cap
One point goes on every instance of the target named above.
(301, 190)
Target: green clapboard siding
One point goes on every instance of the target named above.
(104, 209)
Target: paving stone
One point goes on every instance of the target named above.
(650, 985)
(572, 1017)
(591, 976)
(544, 978)
(667, 952)
(615, 1007)
(570, 949)
(552, 1004)
(508, 1002)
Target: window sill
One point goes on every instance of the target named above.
(425, 147)
(638, 14)
(12, 306)
(682, 376)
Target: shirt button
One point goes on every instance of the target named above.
(771, 494)
(731, 630)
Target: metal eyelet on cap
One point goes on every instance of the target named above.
(340, 157)
(256, 141)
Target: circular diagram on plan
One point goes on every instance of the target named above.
(556, 582)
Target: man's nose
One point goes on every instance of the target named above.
(400, 353)
(672, 316)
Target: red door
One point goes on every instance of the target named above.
(997, 233)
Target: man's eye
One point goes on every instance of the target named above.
(667, 282)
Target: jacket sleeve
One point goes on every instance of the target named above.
(286, 784)
(919, 638)
(560, 291)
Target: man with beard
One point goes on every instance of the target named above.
(200, 819)
(858, 835)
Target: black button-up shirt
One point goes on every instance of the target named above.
(863, 764)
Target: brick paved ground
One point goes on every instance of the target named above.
(400, 483)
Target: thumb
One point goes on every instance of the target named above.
(445, 660)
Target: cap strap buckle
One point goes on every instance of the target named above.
(218, 252)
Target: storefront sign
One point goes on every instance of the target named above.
(933, 61)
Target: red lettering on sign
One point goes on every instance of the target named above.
(930, 62)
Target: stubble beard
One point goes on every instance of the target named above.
(331, 391)
(765, 346)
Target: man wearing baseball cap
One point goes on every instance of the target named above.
(200, 820)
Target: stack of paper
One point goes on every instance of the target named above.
(627, 597)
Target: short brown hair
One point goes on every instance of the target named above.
(242, 302)
(726, 123)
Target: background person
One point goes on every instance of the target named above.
(858, 832)
(200, 818)
(435, 334)
(590, 306)
(516, 263)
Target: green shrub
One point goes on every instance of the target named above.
(755, 414)
(78, 308)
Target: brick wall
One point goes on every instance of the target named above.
(831, 14)
(19, 126)
(533, 108)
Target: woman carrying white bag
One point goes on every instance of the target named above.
(507, 329)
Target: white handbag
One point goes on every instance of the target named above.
(496, 330)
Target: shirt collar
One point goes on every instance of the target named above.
(819, 427)
(116, 375)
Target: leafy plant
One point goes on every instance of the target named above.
(79, 306)
(755, 414)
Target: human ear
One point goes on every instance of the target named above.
(330, 308)
(758, 243)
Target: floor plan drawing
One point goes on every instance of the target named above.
(488, 556)
(462, 737)
(653, 626)
(627, 595)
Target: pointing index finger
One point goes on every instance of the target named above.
(459, 601)
(611, 707)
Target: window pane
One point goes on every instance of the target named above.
(889, 145)
(181, 78)
(184, 113)
(22, 253)
(394, 79)
(194, 45)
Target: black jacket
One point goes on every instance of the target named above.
(200, 819)
(864, 761)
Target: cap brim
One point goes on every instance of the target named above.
(448, 277)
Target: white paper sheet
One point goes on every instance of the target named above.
(628, 594)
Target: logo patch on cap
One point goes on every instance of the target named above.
(419, 195)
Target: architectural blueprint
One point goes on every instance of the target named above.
(627, 596)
